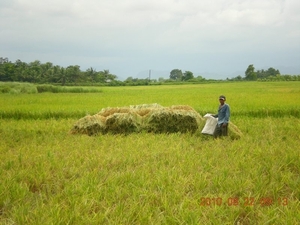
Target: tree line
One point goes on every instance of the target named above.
(48, 73)
(270, 74)
(37, 72)
(251, 74)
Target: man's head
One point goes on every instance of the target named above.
(222, 99)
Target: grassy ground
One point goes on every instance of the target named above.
(51, 177)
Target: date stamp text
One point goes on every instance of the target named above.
(247, 201)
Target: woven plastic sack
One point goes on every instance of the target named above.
(210, 124)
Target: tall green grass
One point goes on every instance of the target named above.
(28, 88)
(17, 88)
(246, 99)
(60, 89)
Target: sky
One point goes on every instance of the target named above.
(214, 39)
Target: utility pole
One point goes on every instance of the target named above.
(149, 75)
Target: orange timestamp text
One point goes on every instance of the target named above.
(247, 201)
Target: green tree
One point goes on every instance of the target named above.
(21, 72)
(272, 72)
(35, 72)
(250, 73)
(264, 74)
(46, 72)
(91, 74)
(55, 75)
(261, 74)
(187, 75)
(176, 74)
(73, 74)
(239, 77)
(6, 71)
(129, 79)
(62, 76)
(106, 76)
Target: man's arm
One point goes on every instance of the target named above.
(215, 115)
(227, 114)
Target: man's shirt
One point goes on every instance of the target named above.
(223, 114)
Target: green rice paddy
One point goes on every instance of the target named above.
(49, 176)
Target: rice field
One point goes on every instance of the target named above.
(49, 176)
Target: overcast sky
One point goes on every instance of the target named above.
(214, 39)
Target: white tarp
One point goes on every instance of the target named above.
(210, 124)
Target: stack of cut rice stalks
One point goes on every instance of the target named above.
(147, 117)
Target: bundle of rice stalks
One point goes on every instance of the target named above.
(147, 106)
(110, 111)
(234, 132)
(145, 109)
(123, 123)
(171, 121)
(183, 107)
(90, 125)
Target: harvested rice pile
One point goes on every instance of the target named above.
(147, 117)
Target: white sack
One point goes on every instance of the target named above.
(210, 124)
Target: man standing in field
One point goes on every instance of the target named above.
(223, 118)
